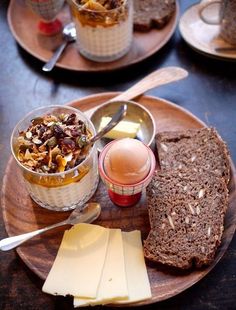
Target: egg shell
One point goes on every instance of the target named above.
(127, 161)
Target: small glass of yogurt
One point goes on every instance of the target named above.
(59, 167)
(104, 28)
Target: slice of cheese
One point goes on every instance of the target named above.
(79, 262)
(124, 129)
(136, 272)
(113, 285)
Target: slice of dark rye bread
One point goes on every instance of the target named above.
(186, 212)
(152, 13)
(201, 149)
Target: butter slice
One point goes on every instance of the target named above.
(124, 129)
(113, 285)
(136, 271)
(78, 266)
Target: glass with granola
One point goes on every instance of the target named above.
(104, 28)
(59, 167)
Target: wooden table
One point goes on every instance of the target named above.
(209, 92)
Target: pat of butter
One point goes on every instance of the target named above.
(113, 285)
(136, 271)
(78, 266)
(124, 129)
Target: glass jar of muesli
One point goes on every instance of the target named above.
(59, 167)
(104, 28)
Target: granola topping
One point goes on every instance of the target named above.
(53, 143)
(105, 13)
(100, 5)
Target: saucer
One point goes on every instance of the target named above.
(202, 37)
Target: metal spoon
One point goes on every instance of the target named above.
(89, 214)
(69, 35)
(116, 118)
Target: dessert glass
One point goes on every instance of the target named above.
(60, 191)
(47, 11)
(125, 195)
(105, 35)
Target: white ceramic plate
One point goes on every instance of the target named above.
(202, 37)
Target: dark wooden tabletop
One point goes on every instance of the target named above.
(209, 92)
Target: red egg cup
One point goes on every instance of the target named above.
(50, 28)
(125, 195)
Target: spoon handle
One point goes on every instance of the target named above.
(12, 242)
(117, 117)
(52, 61)
(154, 79)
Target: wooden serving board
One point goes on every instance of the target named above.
(22, 215)
(23, 25)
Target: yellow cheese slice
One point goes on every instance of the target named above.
(124, 129)
(136, 272)
(113, 285)
(79, 262)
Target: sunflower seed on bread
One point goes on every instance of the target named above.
(186, 226)
(200, 149)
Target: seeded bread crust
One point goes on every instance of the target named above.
(200, 149)
(186, 212)
(152, 13)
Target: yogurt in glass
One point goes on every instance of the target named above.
(60, 169)
(104, 28)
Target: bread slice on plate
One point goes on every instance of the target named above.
(200, 149)
(152, 13)
(186, 212)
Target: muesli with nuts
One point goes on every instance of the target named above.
(53, 144)
(104, 13)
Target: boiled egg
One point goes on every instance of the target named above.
(127, 161)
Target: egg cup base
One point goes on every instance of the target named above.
(124, 200)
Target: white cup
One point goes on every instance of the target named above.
(226, 17)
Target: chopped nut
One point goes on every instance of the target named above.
(164, 147)
(185, 187)
(194, 224)
(202, 249)
(191, 209)
(37, 141)
(187, 220)
(173, 213)
(198, 210)
(50, 124)
(163, 225)
(201, 193)
(171, 221)
(193, 158)
(52, 142)
(180, 166)
(28, 134)
(209, 231)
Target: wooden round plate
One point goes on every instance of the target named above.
(23, 25)
(22, 215)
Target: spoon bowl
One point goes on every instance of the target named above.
(69, 36)
(136, 114)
